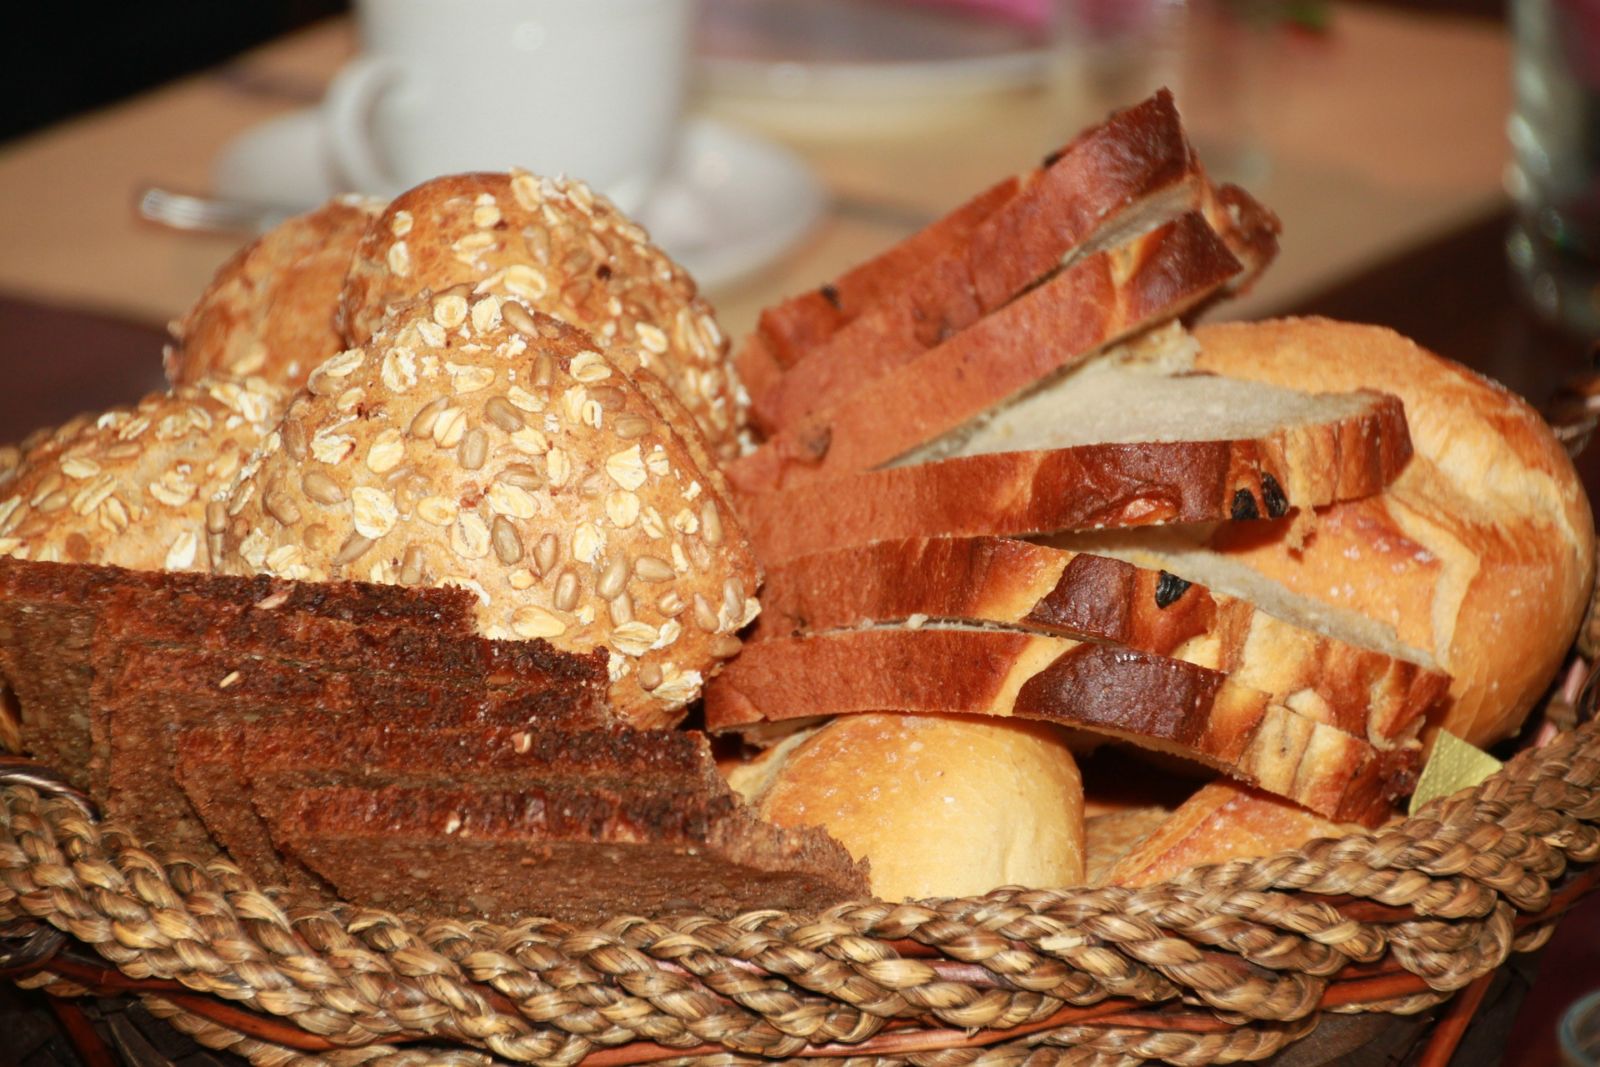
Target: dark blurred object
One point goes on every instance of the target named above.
(57, 59)
(60, 362)
(1554, 178)
(1455, 296)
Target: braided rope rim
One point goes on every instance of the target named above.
(1226, 962)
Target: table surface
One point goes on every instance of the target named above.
(1378, 134)
(1385, 148)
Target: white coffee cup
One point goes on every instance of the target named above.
(588, 88)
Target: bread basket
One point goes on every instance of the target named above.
(1228, 962)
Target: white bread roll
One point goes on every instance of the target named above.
(1480, 554)
(938, 805)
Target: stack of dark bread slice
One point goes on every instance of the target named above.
(363, 741)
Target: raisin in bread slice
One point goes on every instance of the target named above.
(1477, 559)
(1134, 438)
(1145, 699)
(1081, 595)
(578, 826)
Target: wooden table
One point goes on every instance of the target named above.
(1379, 134)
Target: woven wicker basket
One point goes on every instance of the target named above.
(1225, 963)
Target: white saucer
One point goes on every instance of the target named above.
(729, 204)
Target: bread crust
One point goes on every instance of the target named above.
(788, 330)
(270, 311)
(1080, 595)
(1088, 306)
(1135, 696)
(1022, 493)
(1482, 551)
(1221, 821)
(1091, 186)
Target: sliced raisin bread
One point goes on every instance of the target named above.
(1129, 174)
(1102, 299)
(1477, 559)
(1134, 438)
(1150, 700)
(1080, 595)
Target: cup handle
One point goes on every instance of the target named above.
(347, 113)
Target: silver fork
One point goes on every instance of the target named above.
(204, 214)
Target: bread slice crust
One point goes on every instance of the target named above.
(1099, 301)
(1146, 699)
(1080, 595)
(1089, 486)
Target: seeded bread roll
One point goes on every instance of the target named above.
(560, 249)
(131, 487)
(482, 445)
(270, 310)
(938, 805)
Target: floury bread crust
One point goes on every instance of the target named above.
(967, 804)
(1149, 700)
(1081, 595)
(558, 248)
(1481, 553)
(270, 311)
(472, 442)
(134, 487)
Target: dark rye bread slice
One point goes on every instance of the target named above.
(48, 613)
(504, 741)
(1095, 303)
(1081, 595)
(146, 692)
(1120, 447)
(1139, 697)
(46, 628)
(271, 628)
(575, 852)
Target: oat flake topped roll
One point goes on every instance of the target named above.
(131, 487)
(558, 248)
(271, 309)
(471, 442)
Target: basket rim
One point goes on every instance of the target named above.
(1392, 919)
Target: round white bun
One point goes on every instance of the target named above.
(1480, 554)
(938, 805)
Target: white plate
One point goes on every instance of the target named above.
(865, 51)
(729, 204)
